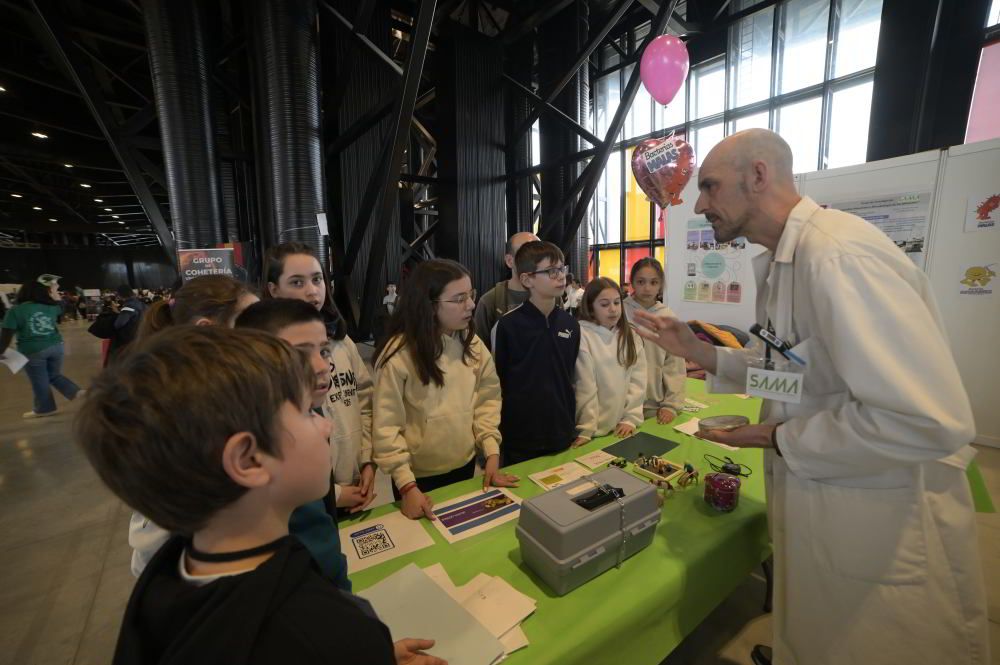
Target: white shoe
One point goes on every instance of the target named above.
(31, 414)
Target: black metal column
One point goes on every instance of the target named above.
(928, 52)
(289, 153)
(472, 208)
(180, 62)
(561, 38)
(520, 206)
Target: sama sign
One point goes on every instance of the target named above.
(197, 262)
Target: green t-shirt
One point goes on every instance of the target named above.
(35, 326)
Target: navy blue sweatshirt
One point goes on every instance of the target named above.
(535, 358)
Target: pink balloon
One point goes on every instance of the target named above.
(663, 67)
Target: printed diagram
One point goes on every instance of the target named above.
(713, 268)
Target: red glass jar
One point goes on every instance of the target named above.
(722, 491)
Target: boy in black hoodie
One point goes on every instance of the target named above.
(210, 432)
(535, 346)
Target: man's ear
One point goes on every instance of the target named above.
(509, 260)
(760, 175)
(242, 461)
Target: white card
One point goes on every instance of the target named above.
(595, 460)
(371, 542)
(558, 476)
(475, 512)
(774, 385)
(15, 360)
(689, 427)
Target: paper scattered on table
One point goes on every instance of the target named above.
(742, 396)
(691, 405)
(558, 476)
(14, 360)
(410, 603)
(513, 640)
(595, 460)
(475, 513)
(371, 542)
(689, 427)
(493, 602)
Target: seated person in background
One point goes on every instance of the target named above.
(235, 587)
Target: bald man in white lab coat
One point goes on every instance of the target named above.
(871, 517)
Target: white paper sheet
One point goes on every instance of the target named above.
(493, 602)
(595, 460)
(476, 512)
(410, 603)
(558, 476)
(689, 428)
(513, 640)
(375, 541)
(498, 606)
(14, 360)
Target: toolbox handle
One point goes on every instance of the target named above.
(639, 529)
(587, 557)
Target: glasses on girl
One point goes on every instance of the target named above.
(461, 298)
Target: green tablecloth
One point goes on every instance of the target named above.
(639, 613)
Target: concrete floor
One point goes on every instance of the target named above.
(64, 559)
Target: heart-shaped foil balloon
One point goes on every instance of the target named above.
(662, 167)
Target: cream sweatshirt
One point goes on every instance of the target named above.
(425, 430)
(666, 375)
(607, 394)
(348, 407)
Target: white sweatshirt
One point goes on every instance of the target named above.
(425, 430)
(607, 394)
(666, 375)
(348, 407)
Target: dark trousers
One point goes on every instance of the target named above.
(428, 483)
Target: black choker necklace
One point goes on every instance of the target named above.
(223, 557)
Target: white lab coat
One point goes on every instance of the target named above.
(607, 394)
(870, 512)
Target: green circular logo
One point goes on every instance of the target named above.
(713, 265)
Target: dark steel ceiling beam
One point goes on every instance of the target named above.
(570, 74)
(57, 40)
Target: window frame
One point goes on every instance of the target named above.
(624, 47)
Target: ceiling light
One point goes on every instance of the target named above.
(53, 219)
(114, 216)
(39, 135)
(35, 208)
(108, 209)
(99, 200)
(3, 89)
(69, 166)
(17, 196)
(85, 185)
(121, 222)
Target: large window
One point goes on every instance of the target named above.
(804, 68)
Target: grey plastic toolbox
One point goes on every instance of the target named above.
(567, 545)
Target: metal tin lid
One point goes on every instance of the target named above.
(722, 422)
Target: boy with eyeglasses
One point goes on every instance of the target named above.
(535, 348)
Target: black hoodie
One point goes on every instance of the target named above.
(282, 612)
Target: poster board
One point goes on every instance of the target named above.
(972, 317)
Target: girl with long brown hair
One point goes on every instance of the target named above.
(437, 395)
(610, 368)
